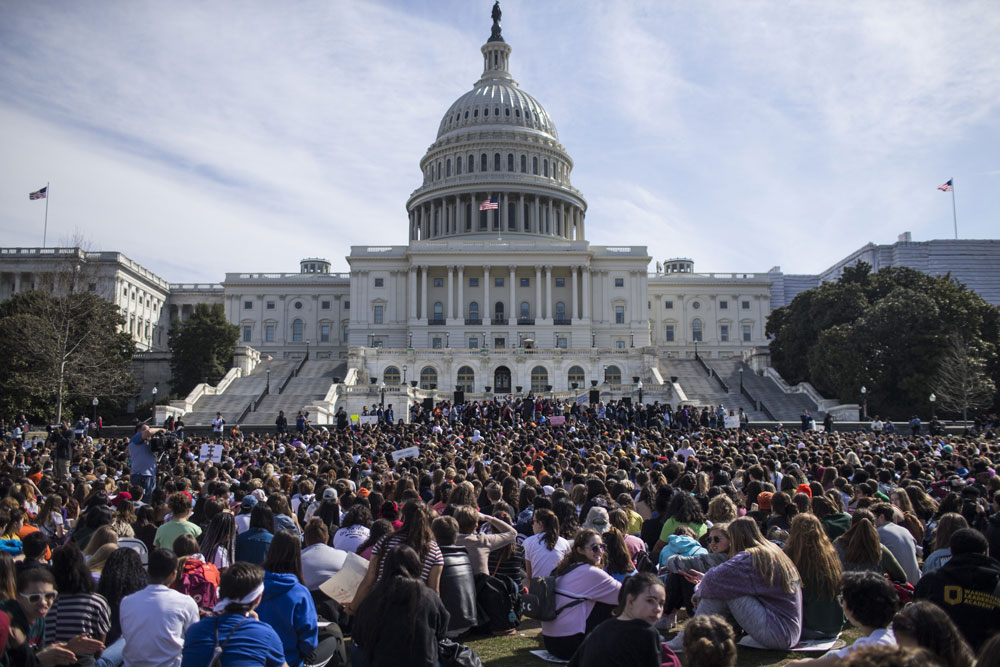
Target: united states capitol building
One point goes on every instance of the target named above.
(496, 291)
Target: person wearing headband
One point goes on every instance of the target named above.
(236, 631)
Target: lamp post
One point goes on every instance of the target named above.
(631, 335)
(696, 349)
(593, 339)
(404, 373)
(155, 390)
(447, 339)
(932, 399)
(268, 373)
(741, 379)
(864, 403)
(307, 348)
(639, 386)
(382, 388)
(94, 403)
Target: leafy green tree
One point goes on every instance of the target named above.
(62, 349)
(887, 331)
(202, 347)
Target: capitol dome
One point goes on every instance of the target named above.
(496, 165)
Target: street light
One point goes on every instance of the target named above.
(741, 379)
(631, 338)
(307, 348)
(268, 371)
(639, 385)
(155, 390)
(410, 344)
(382, 387)
(864, 403)
(404, 373)
(447, 339)
(932, 399)
(94, 403)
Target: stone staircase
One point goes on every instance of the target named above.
(703, 390)
(240, 393)
(307, 388)
(782, 406)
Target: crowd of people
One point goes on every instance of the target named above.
(634, 533)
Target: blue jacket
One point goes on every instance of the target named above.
(252, 545)
(681, 545)
(288, 607)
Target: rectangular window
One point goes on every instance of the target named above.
(560, 282)
(619, 314)
(269, 305)
(436, 343)
(247, 332)
(248, 305)
(562, 342)
(498, 282)
(619, 282)
(378, 314)
(269, 333)
(380, 282)
(473, 343)
(439, 282)
(377, 342)
(525, 282)
(473, 282)
(499, 343)
(723, 305)
(324, 333)
(746, 333)
(347, 305)
(724, 333)
(746, 305)
(619, 345)
(670, 333)
(325, 305)
(669, 305)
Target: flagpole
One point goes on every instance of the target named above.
(45, 229)
(954, 213)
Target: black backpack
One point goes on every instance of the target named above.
(539, 602)
(498, 604)
(643, 563)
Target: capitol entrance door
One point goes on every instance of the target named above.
(501, 380)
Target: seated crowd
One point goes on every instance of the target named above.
(603, 525)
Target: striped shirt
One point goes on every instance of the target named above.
(385, 545)
(71, 615)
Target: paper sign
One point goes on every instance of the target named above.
(732, 422)
(400, 454)
(211, 452)
(343, 585)
(355, 418)
(369, 419)
(557, 421)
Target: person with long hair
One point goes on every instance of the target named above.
(683, 510)
(379, 529)
(941, 553)
(8, 577)
(545, 548)
(123, 575)
(618, 560)
(758, 586)
(416, 534)
(218, 542)
(244, 639)
(679, 590)
(402, 620)
(629, 639)
(814, 557)
(925, 625)
(79, 609)
(50, 518)
(252, 545)
(585, 594)
(860, 549)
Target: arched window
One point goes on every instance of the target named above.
(466, 379)
(428, 377)
(576, 375)
(458, 165)
(525, 309)
(472, 163)
(296, 331)
(612, 375)
(496, 162)
(447, 168)
(534, 166)
(545, 168)
(391, 376)
(473, 310)
(539, 379)
(524, 164)
(438, 311)
(696, 330)
(560, 310)
(510, 162)
(439, 170)
(498, 311)
(482, 162)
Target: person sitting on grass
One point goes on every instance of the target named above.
(629, 639)
(869, 602)
(709, 641)
(923, 624)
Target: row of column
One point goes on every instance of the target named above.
(457, 310)
(449, 215)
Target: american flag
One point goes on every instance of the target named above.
(946, 187)
(38, 194)
(490, 204)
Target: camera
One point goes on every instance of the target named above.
(162, 442)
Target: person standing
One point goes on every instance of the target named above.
(218, 427)
(143, 461)
(281, 423)
(62, 445)
(157, 644)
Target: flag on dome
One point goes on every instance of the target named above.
(38, 194)
(490, 204)
(946, 187)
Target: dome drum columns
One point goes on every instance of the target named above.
(516, 212)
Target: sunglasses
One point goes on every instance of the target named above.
(35, 598)
(597, 548)
(715, 539)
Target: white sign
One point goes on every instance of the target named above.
(344, 584)
(557, 420)
(211, 452)
(731, 422)
(400, 454)
(369, 419)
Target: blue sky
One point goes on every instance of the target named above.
(200, 138)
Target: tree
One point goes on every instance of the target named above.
(62, 347)
(961, 381)
(202, 347)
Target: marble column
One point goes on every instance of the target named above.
(412, 308)
(587, 278)
(538, 291)
(548, 292)
(512, 310)
(487, 312)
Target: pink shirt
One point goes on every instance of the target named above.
(585, 581)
